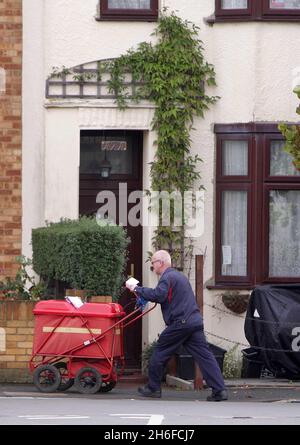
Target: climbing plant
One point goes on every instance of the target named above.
(292, 136)
(173, 74)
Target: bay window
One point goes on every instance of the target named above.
(239, 10)
(257, 207)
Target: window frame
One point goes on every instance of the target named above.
(149, 15)
(267, 176)
(233, 178)
(258, 10)
(231, 14)
(259, 182)
(272, 12)
(228, 279)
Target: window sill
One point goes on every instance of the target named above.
(230, 286)
(126, 18)
(211, 20)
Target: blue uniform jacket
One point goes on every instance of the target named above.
(176, 297)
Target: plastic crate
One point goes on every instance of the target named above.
(252, 366)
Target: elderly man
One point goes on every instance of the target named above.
(184, 327)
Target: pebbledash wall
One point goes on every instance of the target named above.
(253, 61)
(10, 134)
(16, 336)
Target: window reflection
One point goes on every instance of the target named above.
(115, 148)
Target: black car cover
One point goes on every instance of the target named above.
(272, 325)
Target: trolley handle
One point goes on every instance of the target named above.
(139, 316)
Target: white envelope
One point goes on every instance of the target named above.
(76, 301)
(132, 282)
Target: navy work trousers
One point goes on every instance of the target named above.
(192, 337)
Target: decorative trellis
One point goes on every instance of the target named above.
(85, 82)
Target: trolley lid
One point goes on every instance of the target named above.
(59, 307)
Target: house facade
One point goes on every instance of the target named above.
(251, 202)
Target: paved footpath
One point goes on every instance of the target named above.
(241, 390)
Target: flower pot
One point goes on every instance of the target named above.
(100, 299)
(236, 303)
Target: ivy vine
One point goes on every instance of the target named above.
(173, 74)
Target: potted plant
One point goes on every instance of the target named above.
(235, 301)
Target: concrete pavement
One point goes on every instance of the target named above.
(240, 390)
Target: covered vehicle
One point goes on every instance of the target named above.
(272, 326)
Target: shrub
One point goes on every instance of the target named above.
(232, 363)
(81, 253)
(146, 356)
(23, 286)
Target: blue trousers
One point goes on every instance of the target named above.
(192, 337)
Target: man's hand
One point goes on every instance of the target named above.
(131, 287)
(141, 303)
(131, 284)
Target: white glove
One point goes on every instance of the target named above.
(131, 284)
(131, 287)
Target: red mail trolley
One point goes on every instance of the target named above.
(81, 346)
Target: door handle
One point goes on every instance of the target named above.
(131, 270)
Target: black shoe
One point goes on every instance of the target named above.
(147, 392)
(218, 396)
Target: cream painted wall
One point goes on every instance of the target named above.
(253, 62)
(62, 152)
(33, 96)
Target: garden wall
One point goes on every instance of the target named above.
(16, 336)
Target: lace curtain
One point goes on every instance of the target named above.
(234, 233)
(234, 4)
(234, 210)
(280, 161)
(235, 158)
(129, 4)
(285, 4)
(284, 233)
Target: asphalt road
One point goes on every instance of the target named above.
(23, 405)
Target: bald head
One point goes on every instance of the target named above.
(164, 257)
(161, 261)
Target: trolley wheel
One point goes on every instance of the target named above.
(88, 380)
(107, 386)
(46, 378)
(65, 383)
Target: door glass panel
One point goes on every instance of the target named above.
(116, 148)
(284, 233)
(285, 4)
(281, 163)
(129, 4)
(234, 233)
(234, 4)
(235, 158)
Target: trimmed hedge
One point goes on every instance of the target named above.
(82, 253)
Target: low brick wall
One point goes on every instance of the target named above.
(16, 336)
